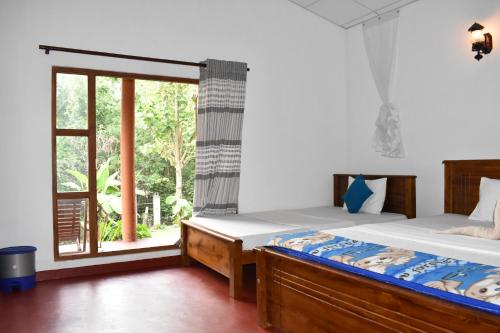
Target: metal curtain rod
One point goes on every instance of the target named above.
(49, 48)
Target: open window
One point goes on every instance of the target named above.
(123, 161)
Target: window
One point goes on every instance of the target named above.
(123, 161)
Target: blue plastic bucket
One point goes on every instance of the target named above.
(17, 268)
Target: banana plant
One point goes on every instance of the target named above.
(109, 204)
(108, 188)
(181, 208)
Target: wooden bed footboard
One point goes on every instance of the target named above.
(294, 295)
(222, 253)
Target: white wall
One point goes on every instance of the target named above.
(449, 103)
(294, 128)
(299, 126)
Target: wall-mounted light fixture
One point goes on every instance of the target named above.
(482, 43)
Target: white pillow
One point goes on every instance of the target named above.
(375, 202)
(489, 192)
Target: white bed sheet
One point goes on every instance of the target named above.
(420, 235)
(330, 213)
(240, 225)
(252, 231)
(256, 229)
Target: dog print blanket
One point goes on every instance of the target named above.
(459, 281)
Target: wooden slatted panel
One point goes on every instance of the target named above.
(462, 180)
(400, 195)
(70, 219)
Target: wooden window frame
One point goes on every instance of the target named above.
(90, 134)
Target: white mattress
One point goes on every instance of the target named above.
(420, 235)
(319, 217)
(252, 231)
(240, 225)
(255, 229)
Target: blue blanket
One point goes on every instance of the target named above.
(467, 283)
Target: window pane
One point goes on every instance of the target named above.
(72, 226)
(71, 101)
(72, 164)
(108, 108)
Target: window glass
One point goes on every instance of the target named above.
(72, 163)
(71, 101)
(72, 226)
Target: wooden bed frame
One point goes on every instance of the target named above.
(295, 295)
(225, 254)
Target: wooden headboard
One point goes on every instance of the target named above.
(400, 195)
(461, 183)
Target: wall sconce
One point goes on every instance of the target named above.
(482, 43)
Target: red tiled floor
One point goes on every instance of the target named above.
(187, 299)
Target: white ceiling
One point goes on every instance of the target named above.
(348, 13)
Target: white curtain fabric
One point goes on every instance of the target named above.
(380, 37)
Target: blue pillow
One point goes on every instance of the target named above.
(356, 194)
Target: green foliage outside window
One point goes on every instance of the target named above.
(164, 149)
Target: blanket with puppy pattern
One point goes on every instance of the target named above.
(459, 281)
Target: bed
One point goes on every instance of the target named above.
(226, 244)
(297, 294)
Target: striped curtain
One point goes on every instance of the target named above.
(221, 100)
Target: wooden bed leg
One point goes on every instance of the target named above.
(236, 271)
(186, 261)
(262, 308)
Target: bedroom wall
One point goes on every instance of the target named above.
(291, 145)
(449, 103)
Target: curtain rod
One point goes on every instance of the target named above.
(49, 48)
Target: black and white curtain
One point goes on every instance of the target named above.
(221, 101)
